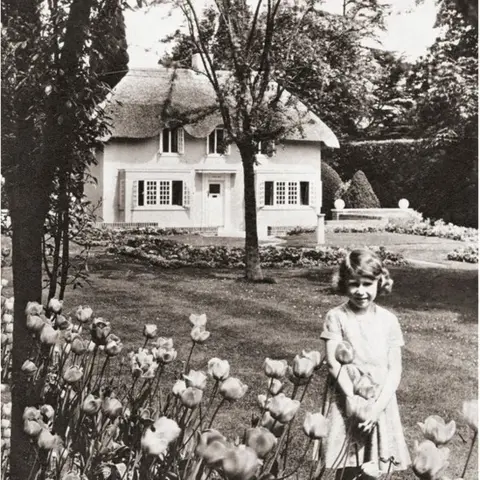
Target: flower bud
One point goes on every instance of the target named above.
(78, 345)
(7, 318)
(302, 367)
(271, 424)
(7, 409)
(196, 378)
(100, 330)
(314, 355)
(199, 335)
(5, 423)
(73, 374)
(191, 397)
(435, 429)
(261, 440)
(358, 407)
(29, 368)
(31, 413)
(113, 346)
(365, 387)
(211, 447)
(240, 463)
(164, 355)
(6, 432)
(8, 328)
(198, 320)
(35, 323)
(344, 353)
(218, 369)
(275, 368)
(156, 439)
(48, 335)
(178, 387)
(47, 412)
(62, 323)
(470, 414)
(91, 405)
(55, 305)
(275, 386)
(33, 308)
(47, 441)
(283, 408)
(166, 343)
(233, 389)
(111, 407)
(315, 425)
(262, 400)
(83, 314)
(429, 460)
(32, 428)
(150, 330)
(9, 303)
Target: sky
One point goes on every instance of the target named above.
(409, 30)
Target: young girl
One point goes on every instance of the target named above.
(369, 428)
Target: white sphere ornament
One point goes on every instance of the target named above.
(403, 203)
(339, 204)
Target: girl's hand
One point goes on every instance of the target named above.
(371, 419)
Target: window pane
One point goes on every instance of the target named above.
(304, 193)
(165, 140)
(220, 138)
(280, 193)
(292, 193)
(150, 192)
(214, 188)
(177, 192)
(268, 193)
(141, 193)
(211, 142)
(174, 139)
(164, 189)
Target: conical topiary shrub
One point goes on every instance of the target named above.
(360, 194)
(331, 184)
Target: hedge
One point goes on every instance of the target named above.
(360, 193)
(331, 184)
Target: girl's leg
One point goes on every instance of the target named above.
(347, 473)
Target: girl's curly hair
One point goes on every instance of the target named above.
(362, 263)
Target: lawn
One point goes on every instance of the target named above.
(437, 309)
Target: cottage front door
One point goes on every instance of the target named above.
(216, 204)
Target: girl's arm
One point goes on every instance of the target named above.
(389, 388)
(334, 367)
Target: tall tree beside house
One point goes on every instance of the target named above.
(50, 124)
(253, 108)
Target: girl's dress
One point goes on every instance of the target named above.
(371, 335)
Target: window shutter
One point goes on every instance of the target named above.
(121, 190)
(261, 194)
(135, 194)
(228, 149)
(313, 194)
(181, 141)
(186, 195)
(160, 142)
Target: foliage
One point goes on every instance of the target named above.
(299, 230)
(360, 193)
(331, 185)
(467, 254)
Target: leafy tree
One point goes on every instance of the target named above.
(50, 125)
(331, 185)
(360, 193)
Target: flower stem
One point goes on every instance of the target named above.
(474, 438)
(189, 357)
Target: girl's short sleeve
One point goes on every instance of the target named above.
(332, 328)
(395, 336)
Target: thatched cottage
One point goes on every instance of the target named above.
(152, 173)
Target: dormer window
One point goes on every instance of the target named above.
(216, 143)
(171, 140)
(266, 147)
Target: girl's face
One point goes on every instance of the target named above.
(361, 291)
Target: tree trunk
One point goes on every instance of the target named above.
(253, 269)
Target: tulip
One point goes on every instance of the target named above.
(283, 408)
(91, 405)
(166, 343)
(233, 389)
(275, 386)
(7, 318)
(33, 308)
(303, 367)
(6, 432)
(370, 470)
(8, 328)
(4, 282)
(5, 423)
(435, 429)
(35, 323)
(48, 336)
(429, 460)
(7, 409)
(47, 412)
(261, 440)
(71, 475)
(218, 369)
(271, 424)
(315, 425)
(9, 302)
(165, 355)
(196, 378)
(178, 387)
(150, 330)
(470, 414)
(111, 407)
(199, 335)
(344, 353)
(100, 330)
(198, 320)
(365, 387)
(113, 345)
(83, 314)
(73, 374)
(29, 367)
(358, 407)
(31, 413)
(55, 305)
(47, 441)
(191, 397)
(262, 401)
(156, 438)
(32, 428)
(78, 345)
(62, 323)
(6, 443)
(275, 368)
(5, 251)
(314, 355)
(7, 339)
(240, 463)
(211, 447)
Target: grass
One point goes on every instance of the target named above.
(437, 310)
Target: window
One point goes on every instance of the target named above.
(160, 192)
(216, 143)
(266, 148)
(287, 193)
(171, 140)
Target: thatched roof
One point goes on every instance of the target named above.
(140, 101)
